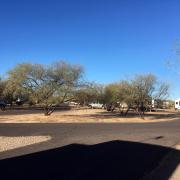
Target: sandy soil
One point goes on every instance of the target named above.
(9, 143)
(82, 116)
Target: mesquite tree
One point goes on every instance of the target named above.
(46, 85)
(89, 93)
(136, 93)
(2, 87)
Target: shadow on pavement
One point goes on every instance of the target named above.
(113, 160)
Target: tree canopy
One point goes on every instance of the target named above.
(141, 89)
(50, 85)
(44, 84)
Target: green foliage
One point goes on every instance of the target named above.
(90, 92)
(61, 81)
(43, 84)
(2, 87)
(141, 89)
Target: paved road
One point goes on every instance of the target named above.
(163, 133)
(107, 141)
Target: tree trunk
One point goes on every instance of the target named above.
(2, 107)
(127, 111)
(48, 110)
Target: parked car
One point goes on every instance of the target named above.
(110, 107)
(96, 106)
(2, 105)
(19, 102)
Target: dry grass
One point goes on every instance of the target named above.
(82, 116)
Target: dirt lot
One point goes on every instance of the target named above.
(82, 116)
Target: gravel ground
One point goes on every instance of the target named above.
(9, 143)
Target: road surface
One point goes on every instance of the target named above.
(90, 151)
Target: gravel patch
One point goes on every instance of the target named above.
(9, 143)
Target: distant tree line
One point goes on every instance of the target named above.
(136, 93)
(62, 82)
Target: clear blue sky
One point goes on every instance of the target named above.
(112, 39)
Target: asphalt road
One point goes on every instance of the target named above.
(162, 133)
(90, 151)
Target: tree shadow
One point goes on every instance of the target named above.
(162, 116)
(109, 115)
(112, 160)
(98, 115)
(26, 111)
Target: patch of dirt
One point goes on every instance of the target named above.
(83, 116)
(9, 143)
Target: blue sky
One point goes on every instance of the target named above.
(112, 39)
